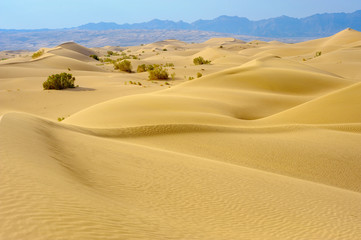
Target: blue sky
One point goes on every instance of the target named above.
(33, 14)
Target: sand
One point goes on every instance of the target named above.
(265, 145)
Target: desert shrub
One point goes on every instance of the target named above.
(199, 75)
(94, 56)
(173, 76)
(151, 67)
(200, 61)
(169, 65)
(190, 78)
(110, 52)
(125, 66)
(318, 54)
(221, 46)
(59, 81)
(164, 49)
(142, 68)
(37, 54)
(107, 60)
(158, 73)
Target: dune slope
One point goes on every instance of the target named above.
(83, 186)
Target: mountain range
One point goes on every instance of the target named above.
(317, 25)
(284, 29)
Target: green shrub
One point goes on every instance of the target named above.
(107, 60)
(37, 54)
(151, 67)
(318, 54)
(200, 61)
(158, 73)
(125, 66)
(141, 68)
(110, 52)
(94, 56)
(199, 75)
(59, 81)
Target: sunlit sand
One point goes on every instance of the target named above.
(265, 145)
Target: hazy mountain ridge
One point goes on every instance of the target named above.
(285, 29)
(317, 25)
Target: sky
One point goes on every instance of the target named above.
(36, 14)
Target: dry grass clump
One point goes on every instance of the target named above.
(59, 81)
(125, 66)
(158, 73)
(37, 54)
(200, 61)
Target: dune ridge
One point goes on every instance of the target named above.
(265, 145)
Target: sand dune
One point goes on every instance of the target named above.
(265, 145)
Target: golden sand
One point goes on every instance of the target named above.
(266, 145)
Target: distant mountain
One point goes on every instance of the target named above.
(318, 25)
(285, 29)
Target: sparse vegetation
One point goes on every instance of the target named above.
(135, 83)
(125, 66)
(37, 54)
(158, 73)
(164, 49)
(59, 81)
(107, 60)
(94, 56)
(169, 65)
(142, 68)
(199, 74)
(318, 54)
(110, 52)
(123, 57)
(60, 119)
(173, 76)
(190, 78)
(200, 61)
(151, 67)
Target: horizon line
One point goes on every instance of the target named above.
(69, 28)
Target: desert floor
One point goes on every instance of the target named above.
(265, 145)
